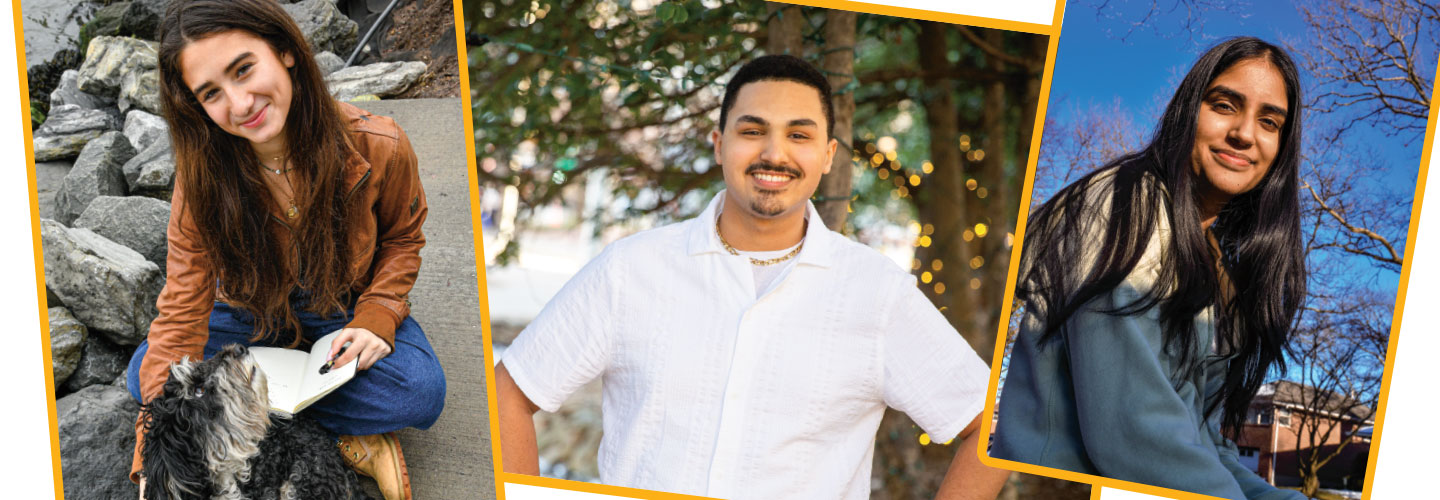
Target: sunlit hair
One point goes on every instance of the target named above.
(1258, 233)
(779, 67)
(223, 183)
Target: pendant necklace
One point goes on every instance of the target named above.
(292, 212)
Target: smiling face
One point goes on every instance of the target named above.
(242, 84)
(774, 148)
(1237, 129)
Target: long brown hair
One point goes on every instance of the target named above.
(222, 181)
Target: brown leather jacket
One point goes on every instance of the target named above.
(384, 245)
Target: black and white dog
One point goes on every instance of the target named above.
(210, 435)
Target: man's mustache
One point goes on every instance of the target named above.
(765, 166)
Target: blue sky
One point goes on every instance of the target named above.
(1102, 61)
(1142, 66)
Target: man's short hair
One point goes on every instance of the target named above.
(779, 67)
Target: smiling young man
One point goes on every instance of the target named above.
(750, 352)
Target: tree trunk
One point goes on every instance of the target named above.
(839, 64)
(1309, 483)
(940, 200)
(786, 30)
(1029, 101)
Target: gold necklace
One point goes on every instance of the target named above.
(762, 262)
(277, 171)
(292, 212)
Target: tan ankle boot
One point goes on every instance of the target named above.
(379, 456)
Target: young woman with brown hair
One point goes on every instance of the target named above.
(293, 216)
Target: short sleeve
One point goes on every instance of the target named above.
(931, 373)
(570, 342)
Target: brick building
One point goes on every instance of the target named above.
(1279, 427)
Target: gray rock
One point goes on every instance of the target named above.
(67, 335)
(142, 18)
(134, 221)
(109, 287)
(97, 438)
(97, 172)
(68, 92)
(325, 28)
(106, 20)
(143, 128)
(382, 79)
(152, 171)
(140, 90)
(100, 363)
(49, 27)
(68, 129)
(110, 60)
(329, 62)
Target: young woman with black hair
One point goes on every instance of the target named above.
(1159, 290)
(293, 216)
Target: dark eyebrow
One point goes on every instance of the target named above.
(752, 119)
(803, 122)
(1227, 92)
(228, 68)
(1272, 109)
(1265, 108)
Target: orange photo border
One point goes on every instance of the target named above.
(501, 477)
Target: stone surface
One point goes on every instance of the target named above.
(68, 129)
(50, 26)
(68, 92)
(49, 175)
(110, 60)
(144, 128)
(152, 171)
(97, 438)
(104, 22)
(107, 286)
(97, 172)
(142, 18)
(67, 336)
(381, 79)
(100, 362)
(329, 62)
(134, 221)
(325, 28)
(140, 90)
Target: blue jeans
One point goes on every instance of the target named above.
(403, 389)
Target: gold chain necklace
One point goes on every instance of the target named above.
(277, 171)
(761, 262)
(292, 212)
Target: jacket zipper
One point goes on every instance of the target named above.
(356, 187)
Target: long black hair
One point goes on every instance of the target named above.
(1256, 298)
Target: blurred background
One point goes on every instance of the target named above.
(592, 120)
(1367, 71)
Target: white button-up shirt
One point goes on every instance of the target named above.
(709, 390)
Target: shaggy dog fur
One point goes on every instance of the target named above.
(211, 436)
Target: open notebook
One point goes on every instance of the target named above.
(295, 377)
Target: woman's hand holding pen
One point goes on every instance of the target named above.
(365, 345)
